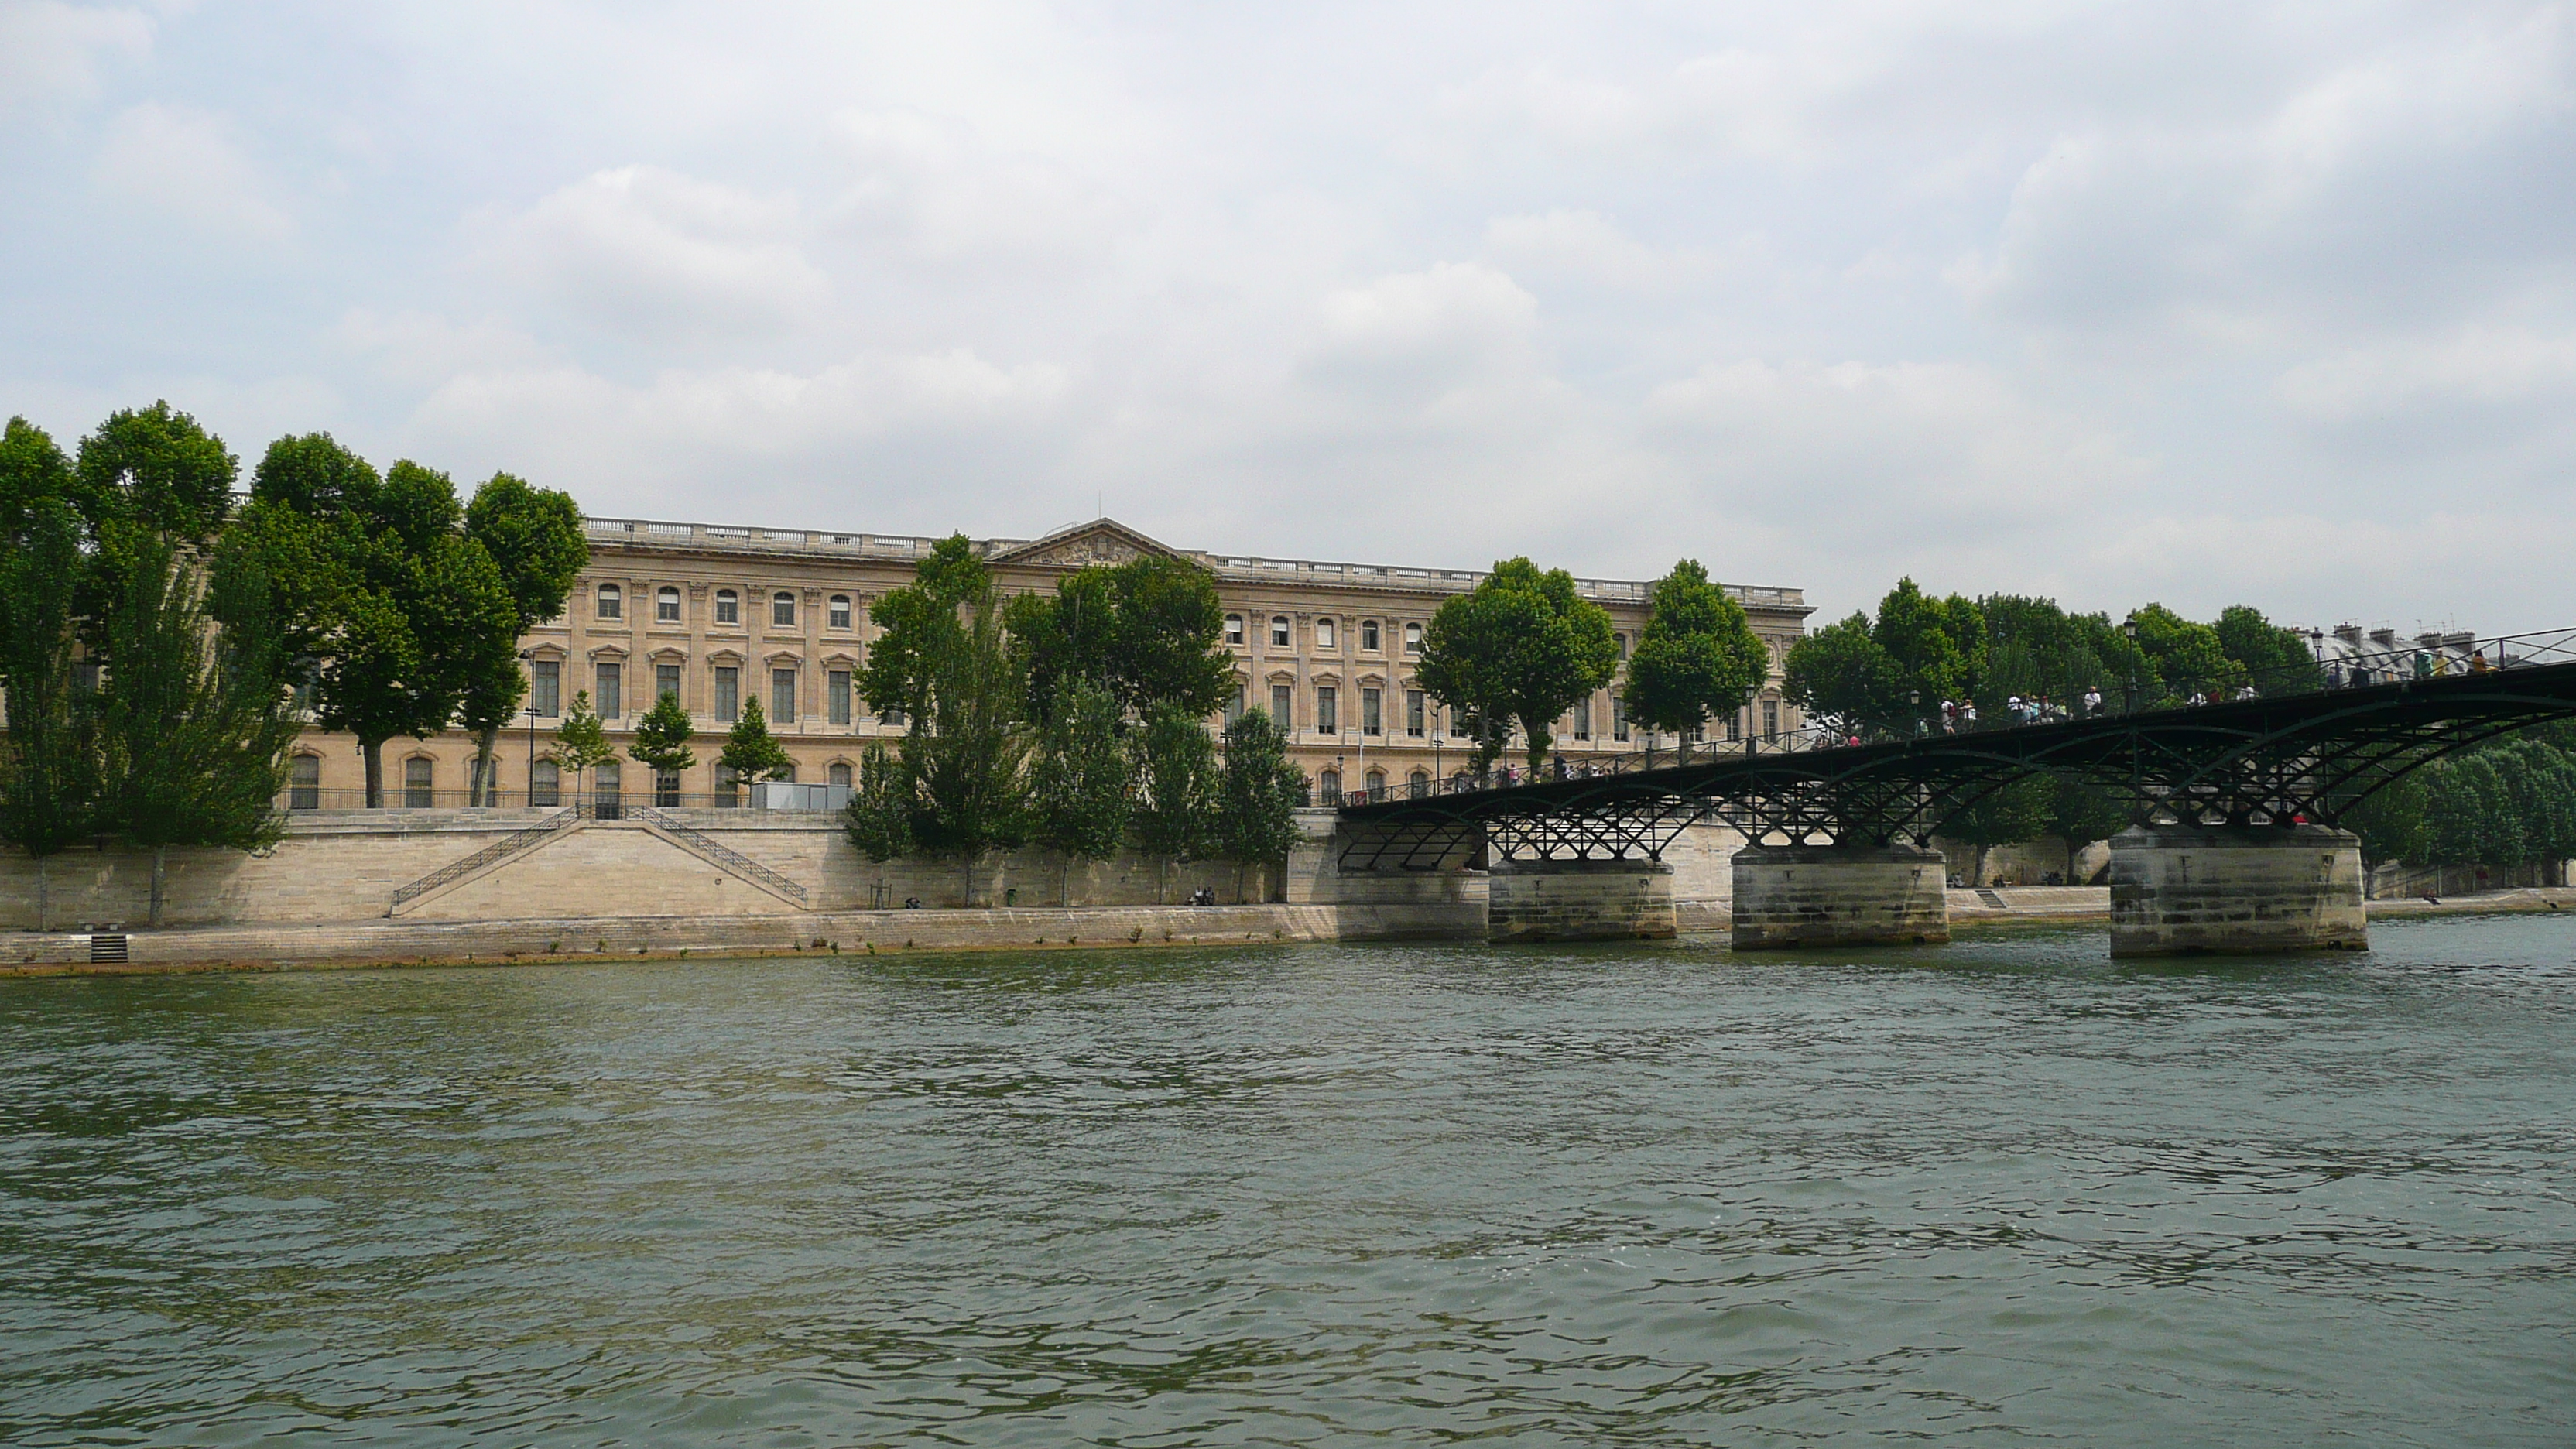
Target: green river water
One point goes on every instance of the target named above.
(2002, 1192)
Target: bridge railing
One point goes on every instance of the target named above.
(2379, 665)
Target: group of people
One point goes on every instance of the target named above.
(2429, 664)
(1959, 717)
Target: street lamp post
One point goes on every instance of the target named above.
(2129, 631)
(529, 657)
(1437, 783)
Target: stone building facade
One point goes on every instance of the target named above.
(720, 614)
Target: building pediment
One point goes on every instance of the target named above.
(1101, 541)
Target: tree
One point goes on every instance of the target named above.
(49, 770)
(2276, 660)
(966, 750)
(1697, 656)
(1080, 778)
(1938, 647)
(878, 818)
(581, 745)
(2080, 812)
(1840, 672)
(146, 473)
(662, 737)
(402, 617)
(534, 538)
(2016, 812)
(920, 624)
(751, 753)
(1149, 631)
(1257, 795)
(194, 725)
(2188, 658)
(1176, 775)
(1522, 648)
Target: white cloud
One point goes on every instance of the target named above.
(51, 53)
(1591, 248)
(643, 251)
(1417, 333)
(183, 163)
(938, 192)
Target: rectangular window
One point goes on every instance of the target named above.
(666, 607)
(545, 784)
(417, 780)
(1234, 708)
(1735, 724)
(1283, 706)
(1234, 628)
(1770, 718)
(782, 611)
(1618, 718)
(304, 783)
(666, 680)
(1583, 720)
(666, 789)
(1327, 710)
(728, 788)
(1368, 635)
(836, 695)
(728, 607)
(840, 615)
(782, 695)
(1413, 713)
(545, 686)
(1371, 717)
(892, 716)
(612, 604)
(1324, 634)
(612, 690)
(1279, 632)
(728, 693)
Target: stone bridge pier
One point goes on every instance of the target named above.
(2177, 889)
(1839, 895)
(1581, 900)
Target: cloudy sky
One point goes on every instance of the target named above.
(2193, 302)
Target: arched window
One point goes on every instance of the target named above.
(1234, 628)
(839, 774)
(607, 784)
(728, 607)
(666, 605)
(1368, 635)
(304, 783)
(1412, 638)
(1328, 788)
(612, 602)
(420, 776)
(839, 617)
(1376, 783)
(1419, 784)
(545, 784)
(1278, 631)
(1324, 634)
(782, 610)
(1622, 641)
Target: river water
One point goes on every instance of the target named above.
(2000, 1192)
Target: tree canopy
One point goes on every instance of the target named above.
(1697, 656)
(1522, 647)
(1149, 631)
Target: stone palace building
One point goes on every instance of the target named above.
(718, 615)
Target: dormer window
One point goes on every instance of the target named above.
(612, 602)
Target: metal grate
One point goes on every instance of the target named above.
(502, 849)
(107, 948)
(722, 854)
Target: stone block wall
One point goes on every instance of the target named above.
(2239, 889)
(1581, 900)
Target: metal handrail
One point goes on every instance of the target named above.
(2407, 664)
(724, 855)
(499, 850)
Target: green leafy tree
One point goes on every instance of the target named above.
(1149, 631)
(146, 474)
(194, 724)
(1937, 645)
(2188, 658)
(921, 624)
(1257, 795)
(581, 743)
(967, 749)
(1080, 780)
(1841, 672)
(534, 538)
(1176, 775)
(2016, 812)
(878, 818)
(751, 753)
(2080, 812)
(49, 769)
(2275, 659)
(1522, 648)
(1697, 656)
(662, 736)
(2390, 820)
